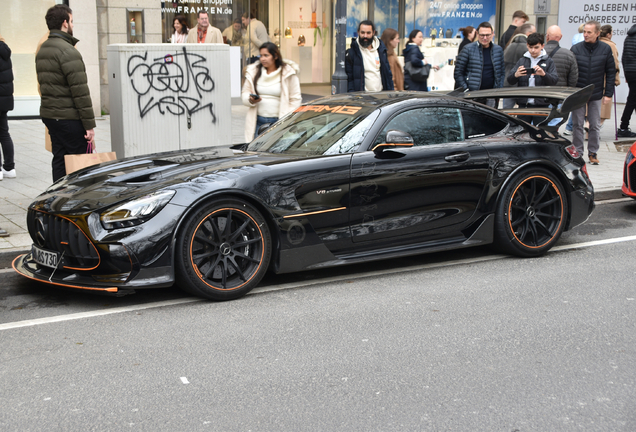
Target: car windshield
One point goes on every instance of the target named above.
(317, 130)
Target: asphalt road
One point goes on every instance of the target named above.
(457, 341)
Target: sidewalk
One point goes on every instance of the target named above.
(33, 167)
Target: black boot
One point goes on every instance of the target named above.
(626, 133)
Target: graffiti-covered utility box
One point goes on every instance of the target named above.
(168, 97)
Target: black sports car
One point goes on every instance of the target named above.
(346, 179)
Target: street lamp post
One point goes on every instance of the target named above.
(339, 78)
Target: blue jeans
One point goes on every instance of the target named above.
(569, 125)
(263, 120)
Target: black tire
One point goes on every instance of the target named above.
(531, 214)
(222, 261)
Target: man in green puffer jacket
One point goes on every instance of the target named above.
(66, 107)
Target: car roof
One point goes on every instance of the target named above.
(380, 99)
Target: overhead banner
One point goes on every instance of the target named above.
(441, 18)
(620, 15)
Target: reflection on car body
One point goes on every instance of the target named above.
(347, 179)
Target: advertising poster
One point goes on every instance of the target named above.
(449, 15)
(621, 15)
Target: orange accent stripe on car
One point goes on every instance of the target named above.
(196, 269)
(512, 230)
(110, 290)
(392, 145)
(313, 213)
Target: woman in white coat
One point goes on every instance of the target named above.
(271, 89)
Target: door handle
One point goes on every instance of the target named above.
(457, 157)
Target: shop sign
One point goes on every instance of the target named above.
(212, 7)
(621, 15)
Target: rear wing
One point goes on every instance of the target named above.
(563, 101)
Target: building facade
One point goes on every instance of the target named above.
(303, 29)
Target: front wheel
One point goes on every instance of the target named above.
(223, 251)
(531, 214)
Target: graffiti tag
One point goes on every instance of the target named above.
(175, 83)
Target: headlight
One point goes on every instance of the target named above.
(136, 211)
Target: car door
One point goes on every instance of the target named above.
(429, 189)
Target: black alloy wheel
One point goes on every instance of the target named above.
(531, 214)
(223, 251)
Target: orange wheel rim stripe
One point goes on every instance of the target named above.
(510, 210)
(196, 269)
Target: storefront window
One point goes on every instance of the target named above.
(221, 13)
(357, 10)
(302, 29)
(386, 15)
(23, 43)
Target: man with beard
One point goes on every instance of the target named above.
(66, 107)
(367, 63)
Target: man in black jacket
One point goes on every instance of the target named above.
(564, 60)
(596, 66)
(367, 63)
(65, 107)
(518, 18)
(6, 105)
(629, 68)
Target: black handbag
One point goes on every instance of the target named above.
(418, 74)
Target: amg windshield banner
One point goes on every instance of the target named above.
(621, 15)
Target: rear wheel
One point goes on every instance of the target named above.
(223, 251)
(531, 214)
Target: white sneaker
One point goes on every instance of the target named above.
(0, 175)
(8, 174)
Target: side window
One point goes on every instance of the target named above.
(478, 124)
(430, 125)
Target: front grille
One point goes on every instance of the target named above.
(59, 234)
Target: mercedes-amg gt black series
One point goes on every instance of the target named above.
(346, 179)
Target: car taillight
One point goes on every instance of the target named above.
(573, 151)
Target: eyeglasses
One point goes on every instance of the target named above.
(485, 35)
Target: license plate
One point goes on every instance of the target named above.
(44, 257)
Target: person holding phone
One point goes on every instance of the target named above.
(534, 69)
(271, 89)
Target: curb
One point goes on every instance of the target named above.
(7, 256)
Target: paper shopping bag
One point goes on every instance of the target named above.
(75, 162)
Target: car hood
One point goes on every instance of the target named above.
(100, 186)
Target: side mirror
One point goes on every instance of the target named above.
(263, 128)
(394, 139)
